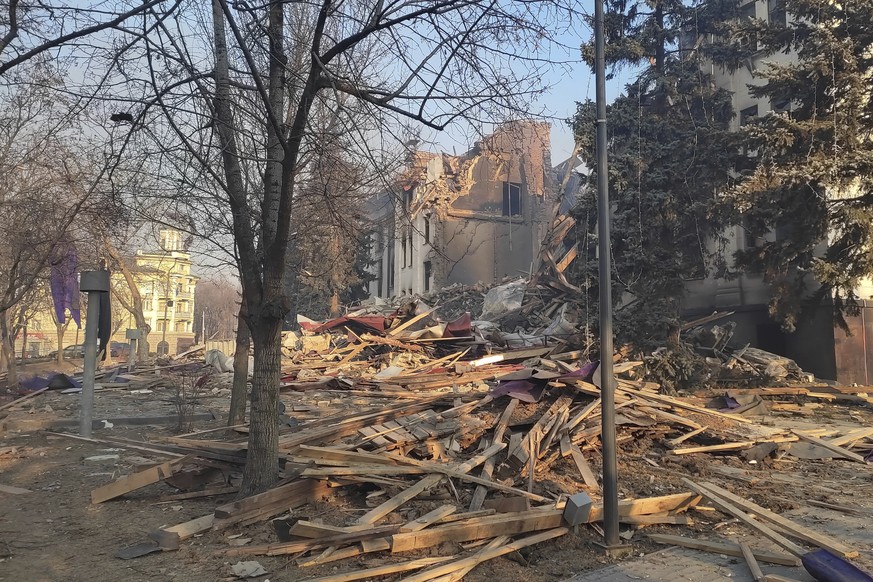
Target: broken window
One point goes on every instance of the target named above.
(748, 40)
(752, 241)
(427, 228)
(781, 106)
(776, 13)
(746, 117)
(391, 264)
(403, 250)
(511, 199)
(428, 273)
(748, 114)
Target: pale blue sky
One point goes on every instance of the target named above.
(571, 83)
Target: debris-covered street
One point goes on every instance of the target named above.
(410, 453)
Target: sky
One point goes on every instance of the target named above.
(568, 84)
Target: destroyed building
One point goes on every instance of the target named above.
(818, 344)
(475, 217)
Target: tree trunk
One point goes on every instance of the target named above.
(142, 345)
(61, 331)
(262, 463)
(8, 346)
(660, 42)
(240, 371)
(135, 305)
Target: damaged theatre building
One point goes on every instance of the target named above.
(476, 217)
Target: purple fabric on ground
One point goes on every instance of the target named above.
(64, 283)
(55, 381)
(585, 373)
(523, 390)
(826, 567)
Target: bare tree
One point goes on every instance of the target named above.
(55, 24)
(128, 295)
(239, 390)
(460, 44)
(216, 305)
(44, 182)
(231, 98)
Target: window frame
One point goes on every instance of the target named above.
(510, 188)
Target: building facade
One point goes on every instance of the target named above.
(167, 287)
(817, 344)
(477, 217)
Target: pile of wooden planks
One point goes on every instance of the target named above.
(418, 439)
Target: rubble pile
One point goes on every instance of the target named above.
(726, 362)
(432, 437)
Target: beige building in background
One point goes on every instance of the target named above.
(167, 288)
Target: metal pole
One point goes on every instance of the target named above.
(87, 413)
(94, 283)
(166, 311)
(607, 386)
(131, 355)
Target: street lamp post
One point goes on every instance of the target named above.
(167, 304)
(611, 541)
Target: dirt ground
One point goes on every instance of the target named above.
(54, 533)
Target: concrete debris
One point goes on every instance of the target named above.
(250, 569)
(219, 361)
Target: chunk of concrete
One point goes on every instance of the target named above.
(578, 509)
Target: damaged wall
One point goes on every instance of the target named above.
(480, 216)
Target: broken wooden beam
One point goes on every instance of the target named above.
(381, 570)
(23, 398)
(751, 562)
(844, 453)
(168, 538)
(136, 481)
(726, 548)
(686, 436)
(11, 490)
(488, 468)
(459, 574)
(786, 525)
(584, 469)
(270, 503)
(487, 554)
(297, 547)
(477, 529)
(398, 500)
(744, 517)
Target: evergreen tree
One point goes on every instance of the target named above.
(670, 155)
(810, 184)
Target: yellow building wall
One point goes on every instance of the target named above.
(159, 276)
